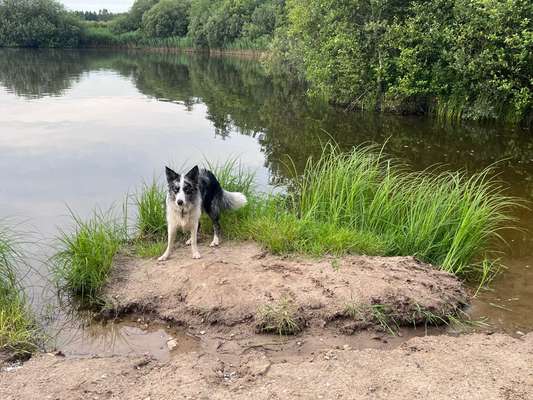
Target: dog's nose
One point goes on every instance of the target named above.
(180, 202)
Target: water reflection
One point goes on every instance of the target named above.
(84, 127)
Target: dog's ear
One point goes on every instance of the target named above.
(192, 175)
(171, 175)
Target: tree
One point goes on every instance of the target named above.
(167, 18)
(37, 23)
(133, 19)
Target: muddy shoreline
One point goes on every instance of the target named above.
(341, 349)
(437, 367)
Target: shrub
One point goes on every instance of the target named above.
(167, 18)
(37, 23)
(458, 58)
(132, 20)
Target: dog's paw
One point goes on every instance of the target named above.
(164, 257)
(188, 242)
(214, 243)
(196, 255)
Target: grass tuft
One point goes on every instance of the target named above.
(84, 262)
(380, 315)
(280, 318)
(151, 214)
(18, 332)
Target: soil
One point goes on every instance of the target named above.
(220, 354)
(434, 367)
(234, 284)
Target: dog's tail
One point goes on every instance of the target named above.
(233, 200)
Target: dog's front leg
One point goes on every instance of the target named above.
(172, 229)
(194, 238)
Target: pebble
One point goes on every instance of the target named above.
(202, 332)
(172, 343)
(520, 333)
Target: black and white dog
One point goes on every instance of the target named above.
(187, 196)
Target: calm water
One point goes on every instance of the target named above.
(83, 128)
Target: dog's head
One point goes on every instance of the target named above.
(183, 189)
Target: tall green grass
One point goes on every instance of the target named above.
(448, 219)
(87, 251)
(356, 202)
(362, 202)
(151, 215)
(17, 328)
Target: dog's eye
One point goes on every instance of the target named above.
(177, 188)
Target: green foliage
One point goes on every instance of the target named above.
(17, 328)
(447, 219)
(167, 18)
(233, 24)
(461, 59)
(218, 23)
(357, 202)
(282, 232)
(101, 15)
(151, 214)
(132, 20)
(84, 262)
(37, 23)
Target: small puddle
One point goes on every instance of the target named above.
(125, 338)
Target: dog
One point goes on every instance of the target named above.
(190, 194)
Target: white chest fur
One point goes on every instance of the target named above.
(180, 218)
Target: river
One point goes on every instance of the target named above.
(83, 128)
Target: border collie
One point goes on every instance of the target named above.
(187, 196)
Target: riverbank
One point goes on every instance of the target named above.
(219, 303)
(440, 367)
(348, 312)
(251, 54)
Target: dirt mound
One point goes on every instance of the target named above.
(239, 284)
(440, 367)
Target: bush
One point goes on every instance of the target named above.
(217, 24)
(132, 20)
(473, 58)
(459, 58)
(167, 18)
(37, 23)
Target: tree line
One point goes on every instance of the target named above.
(457, 59)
